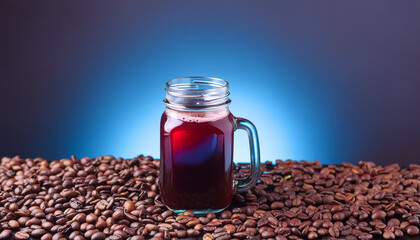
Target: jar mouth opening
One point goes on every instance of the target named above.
(196, 93)
(196, 84)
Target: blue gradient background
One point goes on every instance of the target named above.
(332, 80)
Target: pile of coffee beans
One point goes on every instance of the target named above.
(113, 198)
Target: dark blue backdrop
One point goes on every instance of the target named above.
(332, 80)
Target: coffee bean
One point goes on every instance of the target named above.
(208, 236)
(267, 234)
(211, 216)
(224, 237)
(398, 233)
(380, 195)
(250, 223)
(32, 221)
(167, 213)
(276, 205)
(118, 215)
(69, 194)
(129, 205)
(100, 224)
(129, 231)
(98, 236)
(388, 235)
(230, 228)
(312, 235)
(5, 234)
(225, 214)
(188, 213)
(91, 218)
(413, 220)
(280, 237)
(322, 231)
(13, 224)
(79, 237)
(101, 205)
(37, 233)
(89, 233)
(121, 233)
(336, 208)
(339, 216)
(295, 222)
(21, 235)
(57, 236)
(378, 215)
(412, 230)
(334, 231)
(121, 199)
(208, 228)
(193, 233)
(47, 236)
(318, 223)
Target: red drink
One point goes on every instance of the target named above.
(196, 153)
(196, 146)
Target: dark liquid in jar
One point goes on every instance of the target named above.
(196, 161)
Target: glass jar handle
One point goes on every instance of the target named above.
(244, 184)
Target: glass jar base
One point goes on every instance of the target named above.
(199, 212)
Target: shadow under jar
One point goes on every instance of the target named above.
(196, 134)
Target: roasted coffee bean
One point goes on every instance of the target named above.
(230, 228)
(318, 223)
(120, 198)
(57, 236)
(32, 221)
(100, 224)
(189, 213)
(5, 234)
(380, 195)
(193, 233)
(334, 231)
(208, 236)
(167, 213)
(378, 215)
(412, 230)
(21, 235)
(339, 216)
(91, 218)
(118, 215)
(192, 222)
(250, 223)
(98, 236)
(388, 235)
(37, 233)
(295, 222)
(120, 233)
(13, 224)
(398, 233)
(225, 214)
(79, 237)
(129, 205)
(312, 235)
(280, 237)
(267, 234)
(69, 194)
(365, 236)
(208, 228)
(413, 220)
(322, 231)
(48, 236)
(211, 216)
